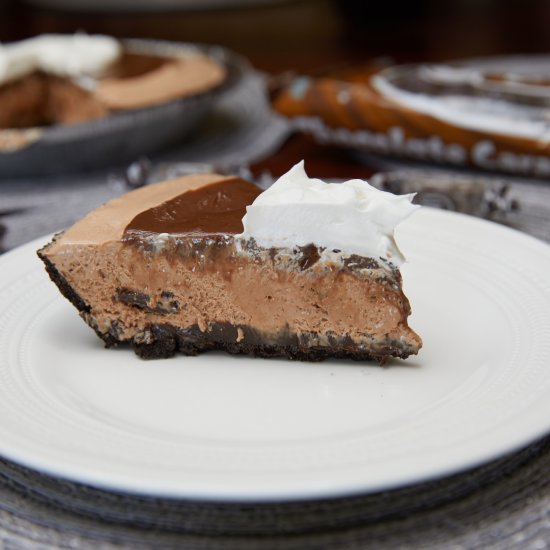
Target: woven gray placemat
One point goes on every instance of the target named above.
(504, 504)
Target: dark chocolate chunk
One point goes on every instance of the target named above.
(360, 262)
(309, 256)
(142, 301)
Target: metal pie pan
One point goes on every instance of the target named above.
(123, 136)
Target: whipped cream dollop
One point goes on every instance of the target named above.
(352, 217)
(62, 55)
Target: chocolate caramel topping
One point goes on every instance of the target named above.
(215, 208)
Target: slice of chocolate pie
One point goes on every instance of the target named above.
(169, 267)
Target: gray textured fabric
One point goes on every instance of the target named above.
(504, 504)
(523, 204)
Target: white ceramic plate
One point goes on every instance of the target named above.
(236, 428)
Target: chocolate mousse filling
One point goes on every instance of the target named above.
(179, 278)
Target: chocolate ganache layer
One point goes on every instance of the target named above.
(165, 269)
(215, 208)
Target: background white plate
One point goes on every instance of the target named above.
(236, 428)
